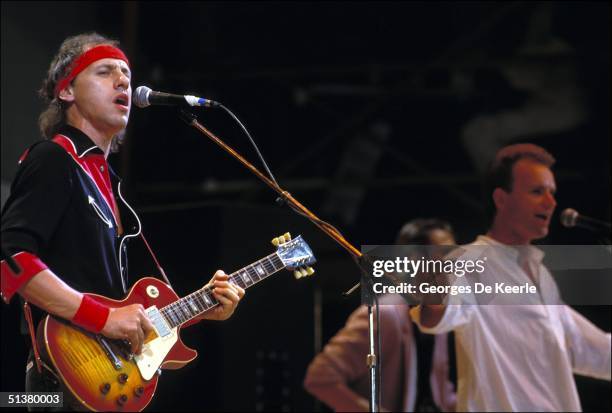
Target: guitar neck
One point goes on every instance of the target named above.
(200, 301)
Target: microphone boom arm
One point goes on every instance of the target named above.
(333, 233)
(192, 120)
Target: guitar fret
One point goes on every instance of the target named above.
(178, 312)
(173, 316)
(168, 317)
(257, 271)
(238, 281)
(252, 275)
(198, 298)
(164, 315)
(173, 321)
(278, 261)
(269, 267)
(246, 277)
(192, 304)
(274, 265)
(202, 300)
(261, 271)
(207, 299)
(211, 299)
(185, 309)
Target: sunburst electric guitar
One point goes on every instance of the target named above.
(104, 376)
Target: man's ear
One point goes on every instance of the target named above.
(499, 198)
(66, 94)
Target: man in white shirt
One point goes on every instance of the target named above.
(519, 357)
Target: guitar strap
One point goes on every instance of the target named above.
(28, 316)
(159, 267)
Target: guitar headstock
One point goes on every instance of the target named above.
(295, 254)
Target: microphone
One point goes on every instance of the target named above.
(144, 96)
(571, 218)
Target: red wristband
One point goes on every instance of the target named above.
(91, 315)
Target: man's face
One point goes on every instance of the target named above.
(101, 95)
(526, 210)
(439, 236)
(439, 242)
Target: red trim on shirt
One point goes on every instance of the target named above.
(23, 155)
(96, 167)
(30, 265)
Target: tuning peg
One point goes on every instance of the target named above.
(287, 236)
(309, 270)
(275, 241)
(297, 274)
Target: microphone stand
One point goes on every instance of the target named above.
(284, 196)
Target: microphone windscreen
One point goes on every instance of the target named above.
(140, 97)
(569, 216)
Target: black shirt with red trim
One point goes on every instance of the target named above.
(64, 213)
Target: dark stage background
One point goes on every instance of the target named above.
(371, 114)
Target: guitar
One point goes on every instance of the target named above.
(103, 375)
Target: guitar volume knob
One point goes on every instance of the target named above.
(121, 400)
(123, 378)
(138, 391)
(105, 388)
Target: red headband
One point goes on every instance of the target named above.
(80, 63)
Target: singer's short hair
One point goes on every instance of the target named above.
(499, 173)
(54, 115)
(417, 231)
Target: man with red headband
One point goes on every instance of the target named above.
(66, 223)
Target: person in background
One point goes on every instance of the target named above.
(339, 376)
(519, 357)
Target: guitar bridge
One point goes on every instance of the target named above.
(109, 352)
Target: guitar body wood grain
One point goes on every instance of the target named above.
(86, 369)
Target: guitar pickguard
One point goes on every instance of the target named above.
(155, 350)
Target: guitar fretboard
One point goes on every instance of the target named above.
(194, 304)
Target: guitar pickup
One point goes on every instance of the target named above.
(159, 323)
(125, 349)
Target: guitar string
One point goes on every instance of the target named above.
(180, 311)
(182, 306)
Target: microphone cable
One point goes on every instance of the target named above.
(265, 165)
(261, 158)
(332, 228)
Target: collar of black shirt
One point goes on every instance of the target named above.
(82, 143)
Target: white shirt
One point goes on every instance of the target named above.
(521, 357)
